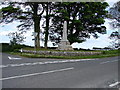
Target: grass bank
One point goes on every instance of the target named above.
(5, 47)
(104, 54)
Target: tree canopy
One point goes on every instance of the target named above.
(115, 14)
(83, 18)
(29, 14)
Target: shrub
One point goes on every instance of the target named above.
(11, 48)
(103, 52)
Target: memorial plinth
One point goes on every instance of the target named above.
(64, 44)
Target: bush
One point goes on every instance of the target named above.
(103, 52)
(11, 48)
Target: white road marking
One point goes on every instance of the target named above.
(55, 61)
(42, 63)
(77, 60)
(108, 62)
(22, 64)
(33, 74)
(2, 66)
(114, 84)
(12, 58)
(27, 63)
(72, 60)
(35, 63)
(15, 65)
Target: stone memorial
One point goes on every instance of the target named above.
(64, 44)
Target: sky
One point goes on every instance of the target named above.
(102, 41)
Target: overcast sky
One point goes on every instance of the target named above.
(102, 41)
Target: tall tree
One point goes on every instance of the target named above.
(115, 14)
(28, 13)
(49, 10)
(84, 19)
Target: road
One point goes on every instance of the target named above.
(21, 72)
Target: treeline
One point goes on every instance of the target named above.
(84, 19)
(5, 47)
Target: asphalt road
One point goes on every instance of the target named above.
(21, 72)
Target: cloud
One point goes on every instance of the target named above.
(111, 2)
(102, 41)
(5, 29)
(5, 33)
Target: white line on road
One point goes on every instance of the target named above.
(114, 84)
(28, 75)
(12, 58)
(3, 66)
(47, 62)
(108, 62)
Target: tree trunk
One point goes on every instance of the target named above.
(37, 30)
(36, 19)
(47, 27)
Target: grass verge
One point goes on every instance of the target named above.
(104, 54)
(43, 49)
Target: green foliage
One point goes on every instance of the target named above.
(9, 9)
(111, 52)
(73, 38)
(28, 16)
(115, 36)
(11, 48)
(16, 38)
(21, 17)
(115, 14)
(83, 18)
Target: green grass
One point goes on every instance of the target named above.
(104, 54)
(5, 47)
(43, 49)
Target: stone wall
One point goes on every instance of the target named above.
(62, 53)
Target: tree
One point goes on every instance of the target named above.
(115, 14)
(115, 36)
(28, 13)
(16, 38)
(48, 8)
(84, 19)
